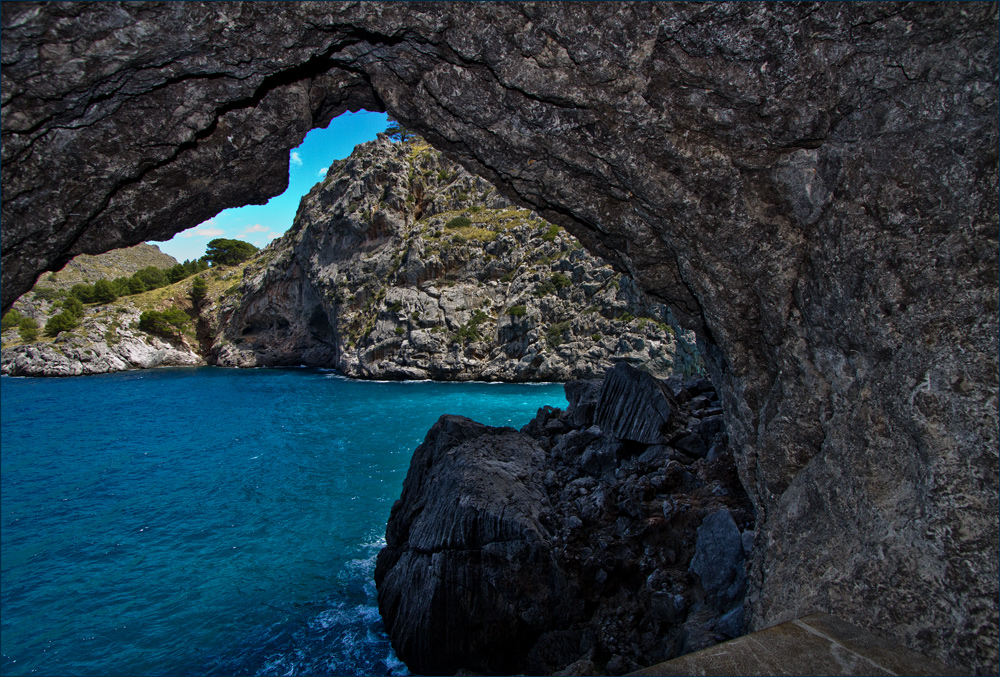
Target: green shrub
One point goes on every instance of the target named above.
(459, 222)
(551, 234)
(517, 311)
(49, 294)
(470, 330)
(458, 239)
(28, 327)
(475, 209)
(120, 285)
(400, 331)
(561, 281)
(177, 273)
(136, 285)
(84, 292)
(443, 175)
(625, 317)
(152, 277)
(10, 320)
(199, 291)
(104, 292)
(64, 321)
(545, 288)
(73, 306)
(166, 323)
(595, 337)
(394, 307)
(555, 333)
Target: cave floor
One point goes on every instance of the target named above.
(817, 644)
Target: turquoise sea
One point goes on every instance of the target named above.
(210, 521)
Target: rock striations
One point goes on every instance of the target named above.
(572, 546)
(401, 265)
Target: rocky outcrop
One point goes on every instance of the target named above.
(812, 188)
(401, 265)
(564, 548)
(108, 338)
(103, 344)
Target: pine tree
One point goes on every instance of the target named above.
(199, 292)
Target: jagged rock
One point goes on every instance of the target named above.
(813, 188)
(718, 557)
(468, 576)
(375, 279)
(100, 346)
(634, 406)
(593, 571)
(582, 397)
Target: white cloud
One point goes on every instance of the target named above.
(296, 158)
(256, 228)
(322, 172)
(204, 230)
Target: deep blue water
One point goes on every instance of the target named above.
(210, 521)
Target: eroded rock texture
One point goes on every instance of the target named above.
(813, 188)
(567, 548)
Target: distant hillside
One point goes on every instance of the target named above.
(402, 265)
(87, 269)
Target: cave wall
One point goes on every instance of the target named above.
(812, 188)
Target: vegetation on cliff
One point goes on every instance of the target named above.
(400, 264)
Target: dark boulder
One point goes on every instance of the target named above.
(582, 397)
(634, 406)
(718, 558)
(467, 578)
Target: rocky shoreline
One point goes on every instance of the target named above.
(400, 265)
(102, 345)
(603, 538)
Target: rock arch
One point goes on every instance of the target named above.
(812, 188)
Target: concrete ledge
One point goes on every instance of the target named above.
(818, 644)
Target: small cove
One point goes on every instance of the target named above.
(210, 521)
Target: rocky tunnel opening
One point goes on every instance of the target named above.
(787, 178)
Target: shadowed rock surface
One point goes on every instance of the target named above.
(812, 188)
(563, 548)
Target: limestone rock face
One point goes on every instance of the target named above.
(100, 346)
(402, 265)
(813, 189)
(563, 547)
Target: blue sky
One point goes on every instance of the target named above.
(307, 165)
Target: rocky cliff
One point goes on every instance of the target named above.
(402, 265)
(812, 188)
(104, 343)
(597, 540)
(108, 338)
